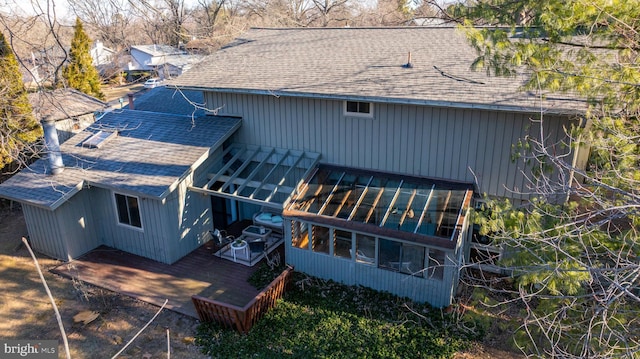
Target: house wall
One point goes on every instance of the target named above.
(65, 233)
(152, 241)
(437, 292)
(458, 144)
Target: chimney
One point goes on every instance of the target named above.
(131, 105)
(52, 145)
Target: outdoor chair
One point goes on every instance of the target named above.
(220, 239)
(257, 247)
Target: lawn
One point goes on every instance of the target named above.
(324, 319)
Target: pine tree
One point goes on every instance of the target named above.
(80, 74)
(576, 264)
(19, 128)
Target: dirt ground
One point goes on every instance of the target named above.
(27, 313)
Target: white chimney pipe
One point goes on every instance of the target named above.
(52, 145)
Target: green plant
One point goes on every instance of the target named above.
(325, 319)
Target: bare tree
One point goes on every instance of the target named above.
(110, 19)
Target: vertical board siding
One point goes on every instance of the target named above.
(418, 140)
(148, 242)
(65, 233)
(44, 233)
(435, 292)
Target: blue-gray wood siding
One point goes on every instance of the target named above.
(66, 233)
(437, 292)
(459, 144)
(170, 229)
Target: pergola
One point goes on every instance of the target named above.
(260, 175)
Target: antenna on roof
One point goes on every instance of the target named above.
(408, 65)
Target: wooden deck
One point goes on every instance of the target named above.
(199, 273)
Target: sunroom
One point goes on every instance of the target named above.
(391, 232)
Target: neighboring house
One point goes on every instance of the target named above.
(124, 184)
(166, 60)
(72, 110)
(101, 54)
(409, 139)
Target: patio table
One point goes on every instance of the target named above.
(257, 232)
(238, 245)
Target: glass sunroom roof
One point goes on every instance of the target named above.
(262, 175)
(408, 204)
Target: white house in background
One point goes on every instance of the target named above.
(101, 54)
(167, 61)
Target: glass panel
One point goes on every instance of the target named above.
(340, 195)
(412, 259)
(365, 249)
(342, 243)
(352, 106)
(299, 235)
(384, 202)
(436, 264)
(364, 107)
(415, 210)
(121, 205)
(399, 209)
(134, 212)
(389, 254)
(320, 239)
(353, 195)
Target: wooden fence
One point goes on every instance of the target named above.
(243, 318)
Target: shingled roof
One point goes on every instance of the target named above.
(171, 100)
(366, 64)
(61, 104)
(150, 155)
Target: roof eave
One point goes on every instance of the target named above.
(393, 100)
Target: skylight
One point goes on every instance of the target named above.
(99, 138)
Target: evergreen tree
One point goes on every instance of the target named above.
(577, 263)
(80, 74)
(19, 128)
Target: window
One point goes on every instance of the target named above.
(360, 109)
(341, 243)
(299, 235)
(320, 239)
(436, 264)
(128, 210)
(365, 249)
(401, 257)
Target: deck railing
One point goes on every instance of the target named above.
(243, 318)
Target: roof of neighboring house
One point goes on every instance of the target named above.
(158, 50)
(366, 64)
(61, 104)
(170, 100)
(150, 155)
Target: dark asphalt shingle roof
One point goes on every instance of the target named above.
(171, 100)
(150, 154)
(366, 64)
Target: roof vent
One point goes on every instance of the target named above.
(408, 65)
(99, 138)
